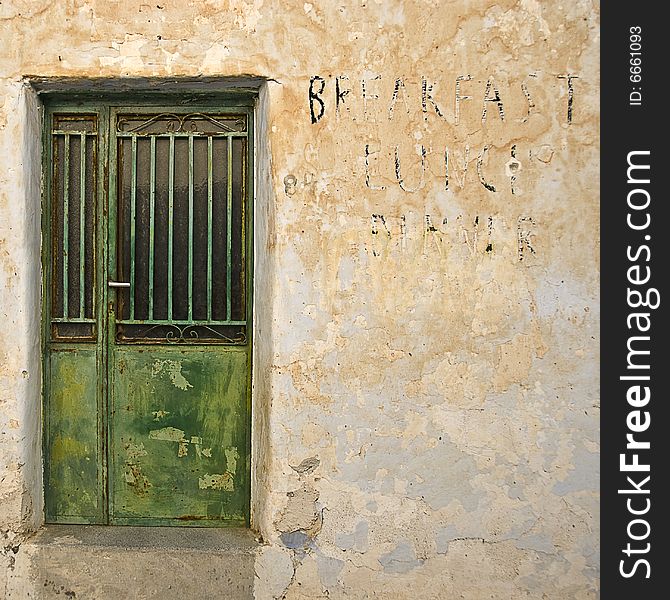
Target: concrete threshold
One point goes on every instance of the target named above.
(164, 563)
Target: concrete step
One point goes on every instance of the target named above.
(87, 562)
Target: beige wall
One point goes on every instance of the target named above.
(432, 341)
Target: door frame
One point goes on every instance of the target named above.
(106, 106)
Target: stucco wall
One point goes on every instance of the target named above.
(426, 418)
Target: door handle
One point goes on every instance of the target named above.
(118, 284)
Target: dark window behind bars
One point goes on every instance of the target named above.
(180, 183)
(74, 149)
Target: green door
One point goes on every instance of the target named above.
(148, 315)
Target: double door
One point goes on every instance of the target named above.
(147, 314)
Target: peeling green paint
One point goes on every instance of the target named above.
(172, 369)
(168, 434)
(216, 482)
(132, 429)
(231, 459)
(72, 478)
(191, 471)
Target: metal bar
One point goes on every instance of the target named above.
(170, 227)
(181, 322)
(82, 222)
(190, 228)
(94, 234)
(241, 134)
(133, 204)
(107, 222)
(152, 226)
(229, 229)
(63, 320)
(73, 132)
(66, 212)
(209, 229)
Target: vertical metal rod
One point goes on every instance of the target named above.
(107, 223)
(66, 214)
(170, 226)
(94, 213)
(133, 204)
(152, 217)
(229, 229)
(210, 250)
(82, 222)
(190, 227)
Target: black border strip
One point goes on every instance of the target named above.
(631, 133)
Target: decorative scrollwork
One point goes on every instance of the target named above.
(180, 123)
(171, 336)
(179, 334)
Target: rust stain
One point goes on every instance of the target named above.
(133, 470)
(183, 449)
(136, 479)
